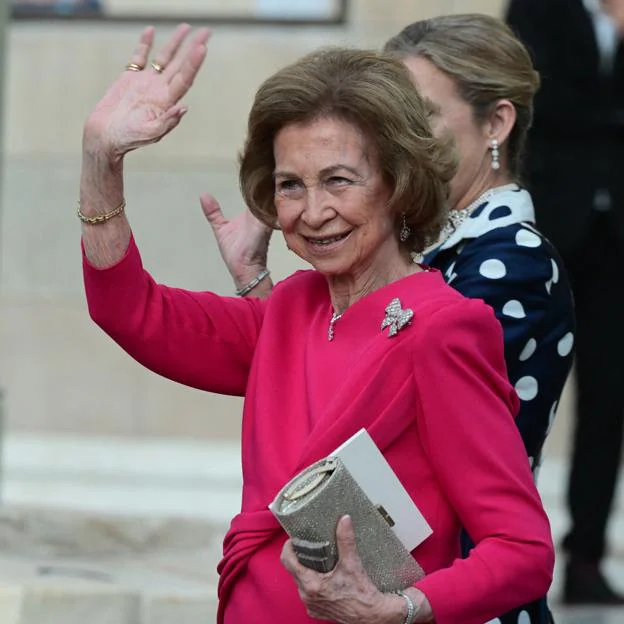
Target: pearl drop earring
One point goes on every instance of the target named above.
(495, 155)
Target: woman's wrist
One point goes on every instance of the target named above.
(96, 145)
(105, 230)
(246, 274)
(396, 608)
(254, 281)
(390, 610)
(101, 183)
(424, 612)
(100, 159)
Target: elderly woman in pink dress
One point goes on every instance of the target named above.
(340, 156)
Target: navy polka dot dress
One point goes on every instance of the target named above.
(498, 256)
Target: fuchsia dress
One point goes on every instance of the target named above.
(435, 398)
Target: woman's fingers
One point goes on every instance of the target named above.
(177, 111)
(165, 56)
(212, 211)
(303, 577)
(200, 37)
(187, 64)
(172, 118)
(289, 558)
(141, 52)
(346, 544)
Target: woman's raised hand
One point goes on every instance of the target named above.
(143, 104)
(243, 243)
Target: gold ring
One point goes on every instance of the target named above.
(134, 67)
(158, 67)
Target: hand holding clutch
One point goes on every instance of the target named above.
(309, 508)
(346, 594)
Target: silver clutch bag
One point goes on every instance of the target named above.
(309, 506)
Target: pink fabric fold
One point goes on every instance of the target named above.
(248, 532)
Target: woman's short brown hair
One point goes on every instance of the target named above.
(374, 92)
(486, 61)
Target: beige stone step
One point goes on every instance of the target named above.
(63, 567)
(102, 592)
(35, 531)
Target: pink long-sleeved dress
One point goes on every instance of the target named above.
(435, 398)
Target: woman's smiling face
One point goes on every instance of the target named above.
(331, 198)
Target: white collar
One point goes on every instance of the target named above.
(520, 206)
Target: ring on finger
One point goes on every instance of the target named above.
(158, 67)
(134, 67)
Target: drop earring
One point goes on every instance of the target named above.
(405, 230)
(495, 155)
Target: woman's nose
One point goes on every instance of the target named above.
(318, 208)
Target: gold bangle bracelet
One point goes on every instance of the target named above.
(103, 217)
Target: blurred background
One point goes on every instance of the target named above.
(116, 485)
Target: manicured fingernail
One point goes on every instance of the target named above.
(183, 112)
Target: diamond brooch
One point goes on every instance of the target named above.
(396, 317)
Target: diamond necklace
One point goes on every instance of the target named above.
(457, 217)
(332, 322)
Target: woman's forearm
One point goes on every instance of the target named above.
(101, 192)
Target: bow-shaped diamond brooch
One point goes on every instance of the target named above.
(396, 317)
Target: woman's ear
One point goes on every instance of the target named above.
(501, 122)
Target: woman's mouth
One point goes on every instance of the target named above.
(327, 242)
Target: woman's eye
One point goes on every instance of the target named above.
(338, 181)
(286, 186)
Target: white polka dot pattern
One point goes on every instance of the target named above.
(526, 238)
(564, 346)
(526, 387)
(514, 269)
(514, 309)
(555, 276)
(528, 351)
(493, 269)
(524, 618)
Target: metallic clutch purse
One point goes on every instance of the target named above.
(309, 507)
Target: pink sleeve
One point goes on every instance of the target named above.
(466, 420)
(198, 339)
